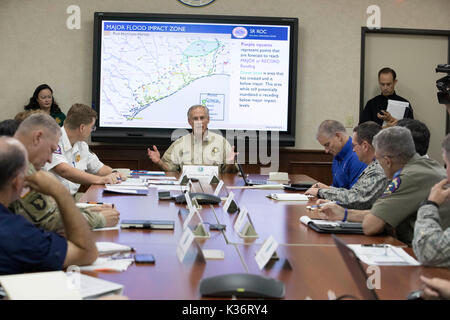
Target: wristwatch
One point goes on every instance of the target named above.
(425, 202)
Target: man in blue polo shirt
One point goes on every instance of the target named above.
(23, 247)
(346, 167)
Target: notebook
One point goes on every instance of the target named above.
(56, 285)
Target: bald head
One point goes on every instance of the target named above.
(13, 160)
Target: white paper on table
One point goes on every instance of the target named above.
(107, 264)
(161, 178)
(127, 190)
(131, 182)
(289, 196)
(163, 182)
(157, 173)
(306, 220)
(51, 285)
(111, 247)
(169, 188)
(387, 255)
(92, 287)
(125, 187)
(84, 205)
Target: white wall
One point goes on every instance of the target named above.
(36, 47)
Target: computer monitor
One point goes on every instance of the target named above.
(148, 69)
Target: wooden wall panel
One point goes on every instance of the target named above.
(314, 163)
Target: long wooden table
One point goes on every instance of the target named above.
(309, 263)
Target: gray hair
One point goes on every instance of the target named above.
(38, 121)
(329, 128)
(446, 146)
(395, 142)
(195, 107)
(13, 160)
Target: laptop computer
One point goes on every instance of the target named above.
(356, 269)
(249, 182)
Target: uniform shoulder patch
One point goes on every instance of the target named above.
(392, 187)
(39, 203)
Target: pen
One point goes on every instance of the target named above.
(100, 203)
(314, 206)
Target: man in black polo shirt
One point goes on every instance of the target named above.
(375, 109)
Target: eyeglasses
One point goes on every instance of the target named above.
(93, 128)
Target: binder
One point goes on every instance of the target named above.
(337, 227)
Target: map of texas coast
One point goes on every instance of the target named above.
(152, 68)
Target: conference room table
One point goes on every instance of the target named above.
(309, 263)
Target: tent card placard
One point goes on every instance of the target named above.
(187, 196)
(182, 181)
(228, 202)
(213, 180)
(200, 171)
(190, 216)
(219, 187)
(240, 220)
(266, 252)
(183, 245)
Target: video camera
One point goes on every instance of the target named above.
(443, 84)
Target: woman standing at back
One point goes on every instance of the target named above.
(43, 99)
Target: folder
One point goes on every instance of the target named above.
(324, 226)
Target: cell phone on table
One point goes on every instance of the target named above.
(144, 258)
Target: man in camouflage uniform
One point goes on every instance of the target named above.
(431, 242)
(412, 177)
(372, 181)
(201, 147)
(39, 134)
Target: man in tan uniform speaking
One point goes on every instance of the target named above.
(201, 147)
